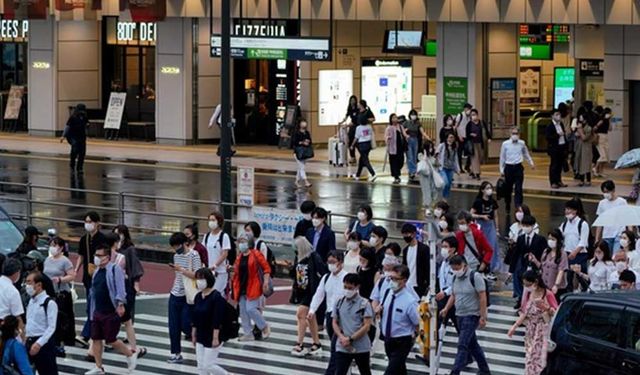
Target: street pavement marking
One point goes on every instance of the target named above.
(505, 356)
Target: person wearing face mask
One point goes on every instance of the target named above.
(628, 248)
(446, 154)
(185, 263)
(556, 149)
(363, 140)
(528, 252)
(251, 279)
(461, 121)
(622, 265)
(469, 297)
(330, 289)
(554, 263)
(576, 239)
(352, 114)
(610, 234)
(106, 305)
(448, 249)
(485, 213)
(515, 230)
(209, 309)
(472, 244)
(320, 235)
(512, 153)
(352, 257)
(84, 266)
(353, 319)
(396, 139)
(416, 257)
(448, 123)
(367, 270)
(602, 130)
(416, 135)
(218, 245)
(399, 320)
(304, 224)
(10, 300)
(584, 147)
(599, 269)
(42, 317)
(538, 306)
(377, 242)
(362, 225)
(191, 231)
(60, 271)
(301, 142)
(474, 130)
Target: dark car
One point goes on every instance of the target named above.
(10, 235)
(596, 334)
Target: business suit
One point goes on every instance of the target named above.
(423, 267)
(556, 151)
(326, 242)
(536, 246)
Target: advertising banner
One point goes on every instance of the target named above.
(503, 103)
(245, 185)
(564, 82)
(25, 9)
(113, 119)
(455, 94)
(277, 225)
(530, 84)
(145, 10)
(14, 102)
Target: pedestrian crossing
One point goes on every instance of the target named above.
(505, 356)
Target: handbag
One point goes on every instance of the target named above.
(423, 168)
(467, 147)
(438, 181)
(190, 289)
(304, 152)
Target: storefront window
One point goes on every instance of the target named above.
(13, 71)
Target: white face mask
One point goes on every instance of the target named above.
(552, 244)
(599, 256)
(351, 245)
(529, 289)
(390, 260)
(527, 230)
(449, 122)
(333, 268)
(387, 273)
(395, 286)
(413, 117)
(30, 290)
(362, 216)
(97, 261)
(570, 216)
(443, 224)
(464, 227)
(316, 222)
(444, 253)
(201, 284)
(243, 247)
(213, 225)
(488, 192)
(373, 241)
(437, 212)
(458, 273)
(515, 137)
(54, 251)
(306, 216)
(624, 242)
(621, 266)
(89, 227)
(519, 215)
(350, 293)
(607, 196)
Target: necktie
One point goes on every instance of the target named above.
(528, 241)
(387, 334)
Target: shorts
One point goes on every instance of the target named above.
(105, 327)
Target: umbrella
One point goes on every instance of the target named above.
(629, 159)
(619, 216)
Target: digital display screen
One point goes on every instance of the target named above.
(386, 86)
(403, 41)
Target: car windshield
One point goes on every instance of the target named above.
(10, 235)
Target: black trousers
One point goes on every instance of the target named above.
(331, 367)
(555, 166)
(397, 349)
(396, 162)
(513, 176)
(351, 135)
(45, 360)
(451, 314)
(343, 362)
(78, 151)
(363, 162)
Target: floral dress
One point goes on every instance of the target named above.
(535, 345)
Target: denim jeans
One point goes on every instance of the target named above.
(250, 311)
(179, 321)
(468, 346)
(518, 288)
(614, 244)
(447, 175)
(412, 155)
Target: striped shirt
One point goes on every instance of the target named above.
(190, 262)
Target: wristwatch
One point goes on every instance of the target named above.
(350, 340)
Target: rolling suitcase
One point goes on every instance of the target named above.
(337, 152)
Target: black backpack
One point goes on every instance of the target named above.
(472, 279)
(230, 323)
(271, 259)
(231, 256)
(591, 240)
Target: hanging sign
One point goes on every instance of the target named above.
(293, 48)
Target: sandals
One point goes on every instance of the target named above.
(141, 352)
(298, 351)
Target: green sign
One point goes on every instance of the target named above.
(267, 53)
(455, 94)
(536, 51)
(430, 47)
(564, 82)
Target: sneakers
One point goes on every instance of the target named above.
(266, 332)
(373, 178)
(175, 359)
(82, 341)
(315, 350)
(132, 361)
(95, 371)
(245, 338)
(491, 276)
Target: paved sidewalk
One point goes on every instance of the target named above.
(263, 157)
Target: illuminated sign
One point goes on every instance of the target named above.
(169, 70)
(40, 65)
(139, 31)
(14, 30)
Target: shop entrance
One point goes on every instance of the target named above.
(13, 71)
(262, 90)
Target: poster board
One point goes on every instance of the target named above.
(455, 94)
(503, 103)
(113, 118)
(277, 225)
(245, 186)
(530, 82)
(386, 86)
(14, 102)
(564, 82)
(334, 89)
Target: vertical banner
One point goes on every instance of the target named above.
(145, 10)
(530, 83)
(25, 9)
(503, 103)
(78, 10)
(113, 119)
(564, 83)
(245, 186)
(455, 94)
(14, 103)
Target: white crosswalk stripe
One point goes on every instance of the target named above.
(505, 356)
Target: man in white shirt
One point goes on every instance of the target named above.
(512, 154)
(611, 234)
(331, 288)
(576, 238)
(10, 301)
(218, 249)
(42, 316)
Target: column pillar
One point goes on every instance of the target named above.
(174, 82)
(615, 88)
(41, 80)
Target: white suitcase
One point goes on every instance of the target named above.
(337, 152)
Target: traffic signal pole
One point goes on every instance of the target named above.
(225, 103)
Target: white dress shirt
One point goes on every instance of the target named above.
(513, 153)
(574, 238)
(560, 131)
(331, 288)
(10, 300)
(39, 323)
(412, 264)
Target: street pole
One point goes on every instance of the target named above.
(225, 103)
